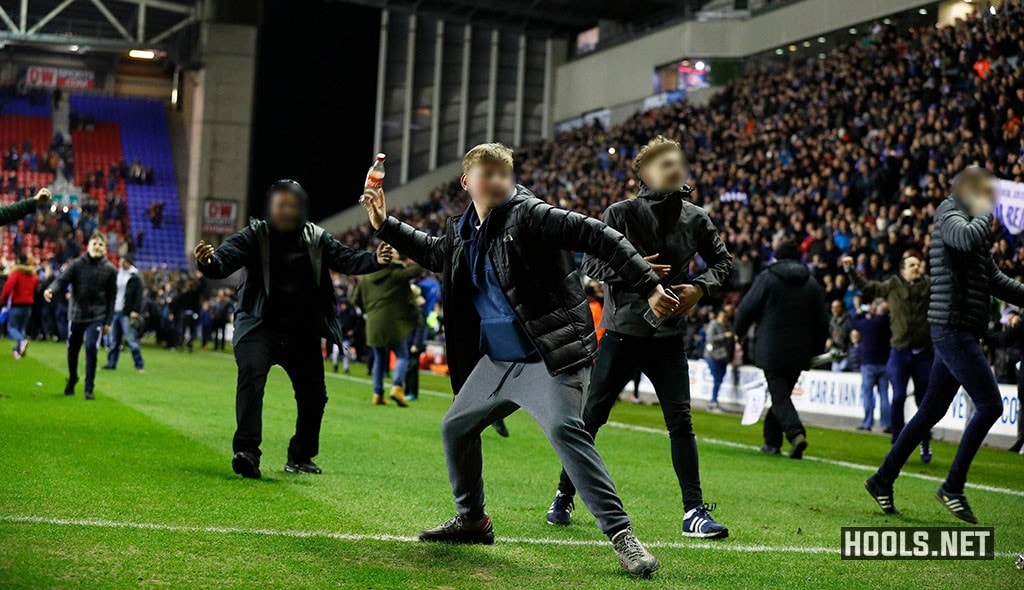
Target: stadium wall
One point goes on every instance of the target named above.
(621, 75)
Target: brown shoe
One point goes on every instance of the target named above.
(378, 400)
(398, 394)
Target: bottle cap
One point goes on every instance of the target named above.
(381, 156)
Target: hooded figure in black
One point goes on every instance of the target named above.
(286, 305)
(788, 306)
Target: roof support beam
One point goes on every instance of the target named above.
(181, 25)
(7, 20)
(50, 16)
(113, 19)
(140, 25)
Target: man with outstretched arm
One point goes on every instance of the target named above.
(520, 335)
(671, 231)
(964, 279)
(286, 304)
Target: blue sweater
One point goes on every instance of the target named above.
(874, 338)
(502, 338)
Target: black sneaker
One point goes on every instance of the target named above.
(461, 532)
(247, 465)
(770, 450)
(956, 504)
(797, 447)
(500, 428)
(89, 395)
(107, 368)
(69, 387)
(881, 493)
(561, 509)
(302, 467)
(926, 451)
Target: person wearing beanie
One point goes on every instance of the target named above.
(788, 306)
(286, 305)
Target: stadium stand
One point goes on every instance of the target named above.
(848, 153)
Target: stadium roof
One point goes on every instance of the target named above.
(551, 16)
(98, 24)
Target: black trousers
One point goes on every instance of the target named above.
(782, 418)
(299, 355)
(87, 333)
(664, 362)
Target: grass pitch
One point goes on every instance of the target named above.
(136, 490)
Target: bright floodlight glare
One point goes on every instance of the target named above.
(778, 51)
(853, 31)
(923, 11)
(992, 10)
(142, 54)
(611, 151)
(821, 39)
(699, 65)
(73, 48)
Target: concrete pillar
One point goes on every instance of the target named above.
(218, 117)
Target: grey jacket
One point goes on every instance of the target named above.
(665, 224)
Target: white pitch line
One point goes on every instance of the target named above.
(728, 443)
(357, 537)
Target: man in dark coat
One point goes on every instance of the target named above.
(670, 231)
(520, 334)
(788, 306)
(286, 304)
(964, 279)
(93, 282)
(127, 307)
(13, 212)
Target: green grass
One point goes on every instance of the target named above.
(155, 449)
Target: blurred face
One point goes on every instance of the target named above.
(837, 308)
(978, 194)
(488, 183)
(285, 211)
(125, 264)
(912, 269)
(666, 171)
(97, 248)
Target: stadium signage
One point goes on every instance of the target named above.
(822, 396)
(60, 77)
(1010, 208)
(220, 217)
(917, 543)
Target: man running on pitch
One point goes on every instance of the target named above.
(671, 231)
(520, 334)
(964, 278)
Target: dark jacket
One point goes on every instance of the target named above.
(249, 250)
(788, 306)
(15, 211)
(93, 283)
(525, 240)
(908, 308)
(133, 293)
(874, 338)
(676, 229)
(964, 275)
(385, 297)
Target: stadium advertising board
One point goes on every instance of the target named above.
(220, 217)
(1010, 208)
(825, 393)
(60, 77)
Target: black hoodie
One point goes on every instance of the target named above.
(788, 306)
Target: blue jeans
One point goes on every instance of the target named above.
(717, 369)
(903, 366)
(87, 333)
(958, 361)
(872, 376)
(380, 365)
(121, 328)
(17, 323)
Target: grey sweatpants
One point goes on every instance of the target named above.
(494, 390)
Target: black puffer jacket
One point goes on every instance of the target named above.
(964, 275)
(788, 306)
(93, 283)
(525, 242)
